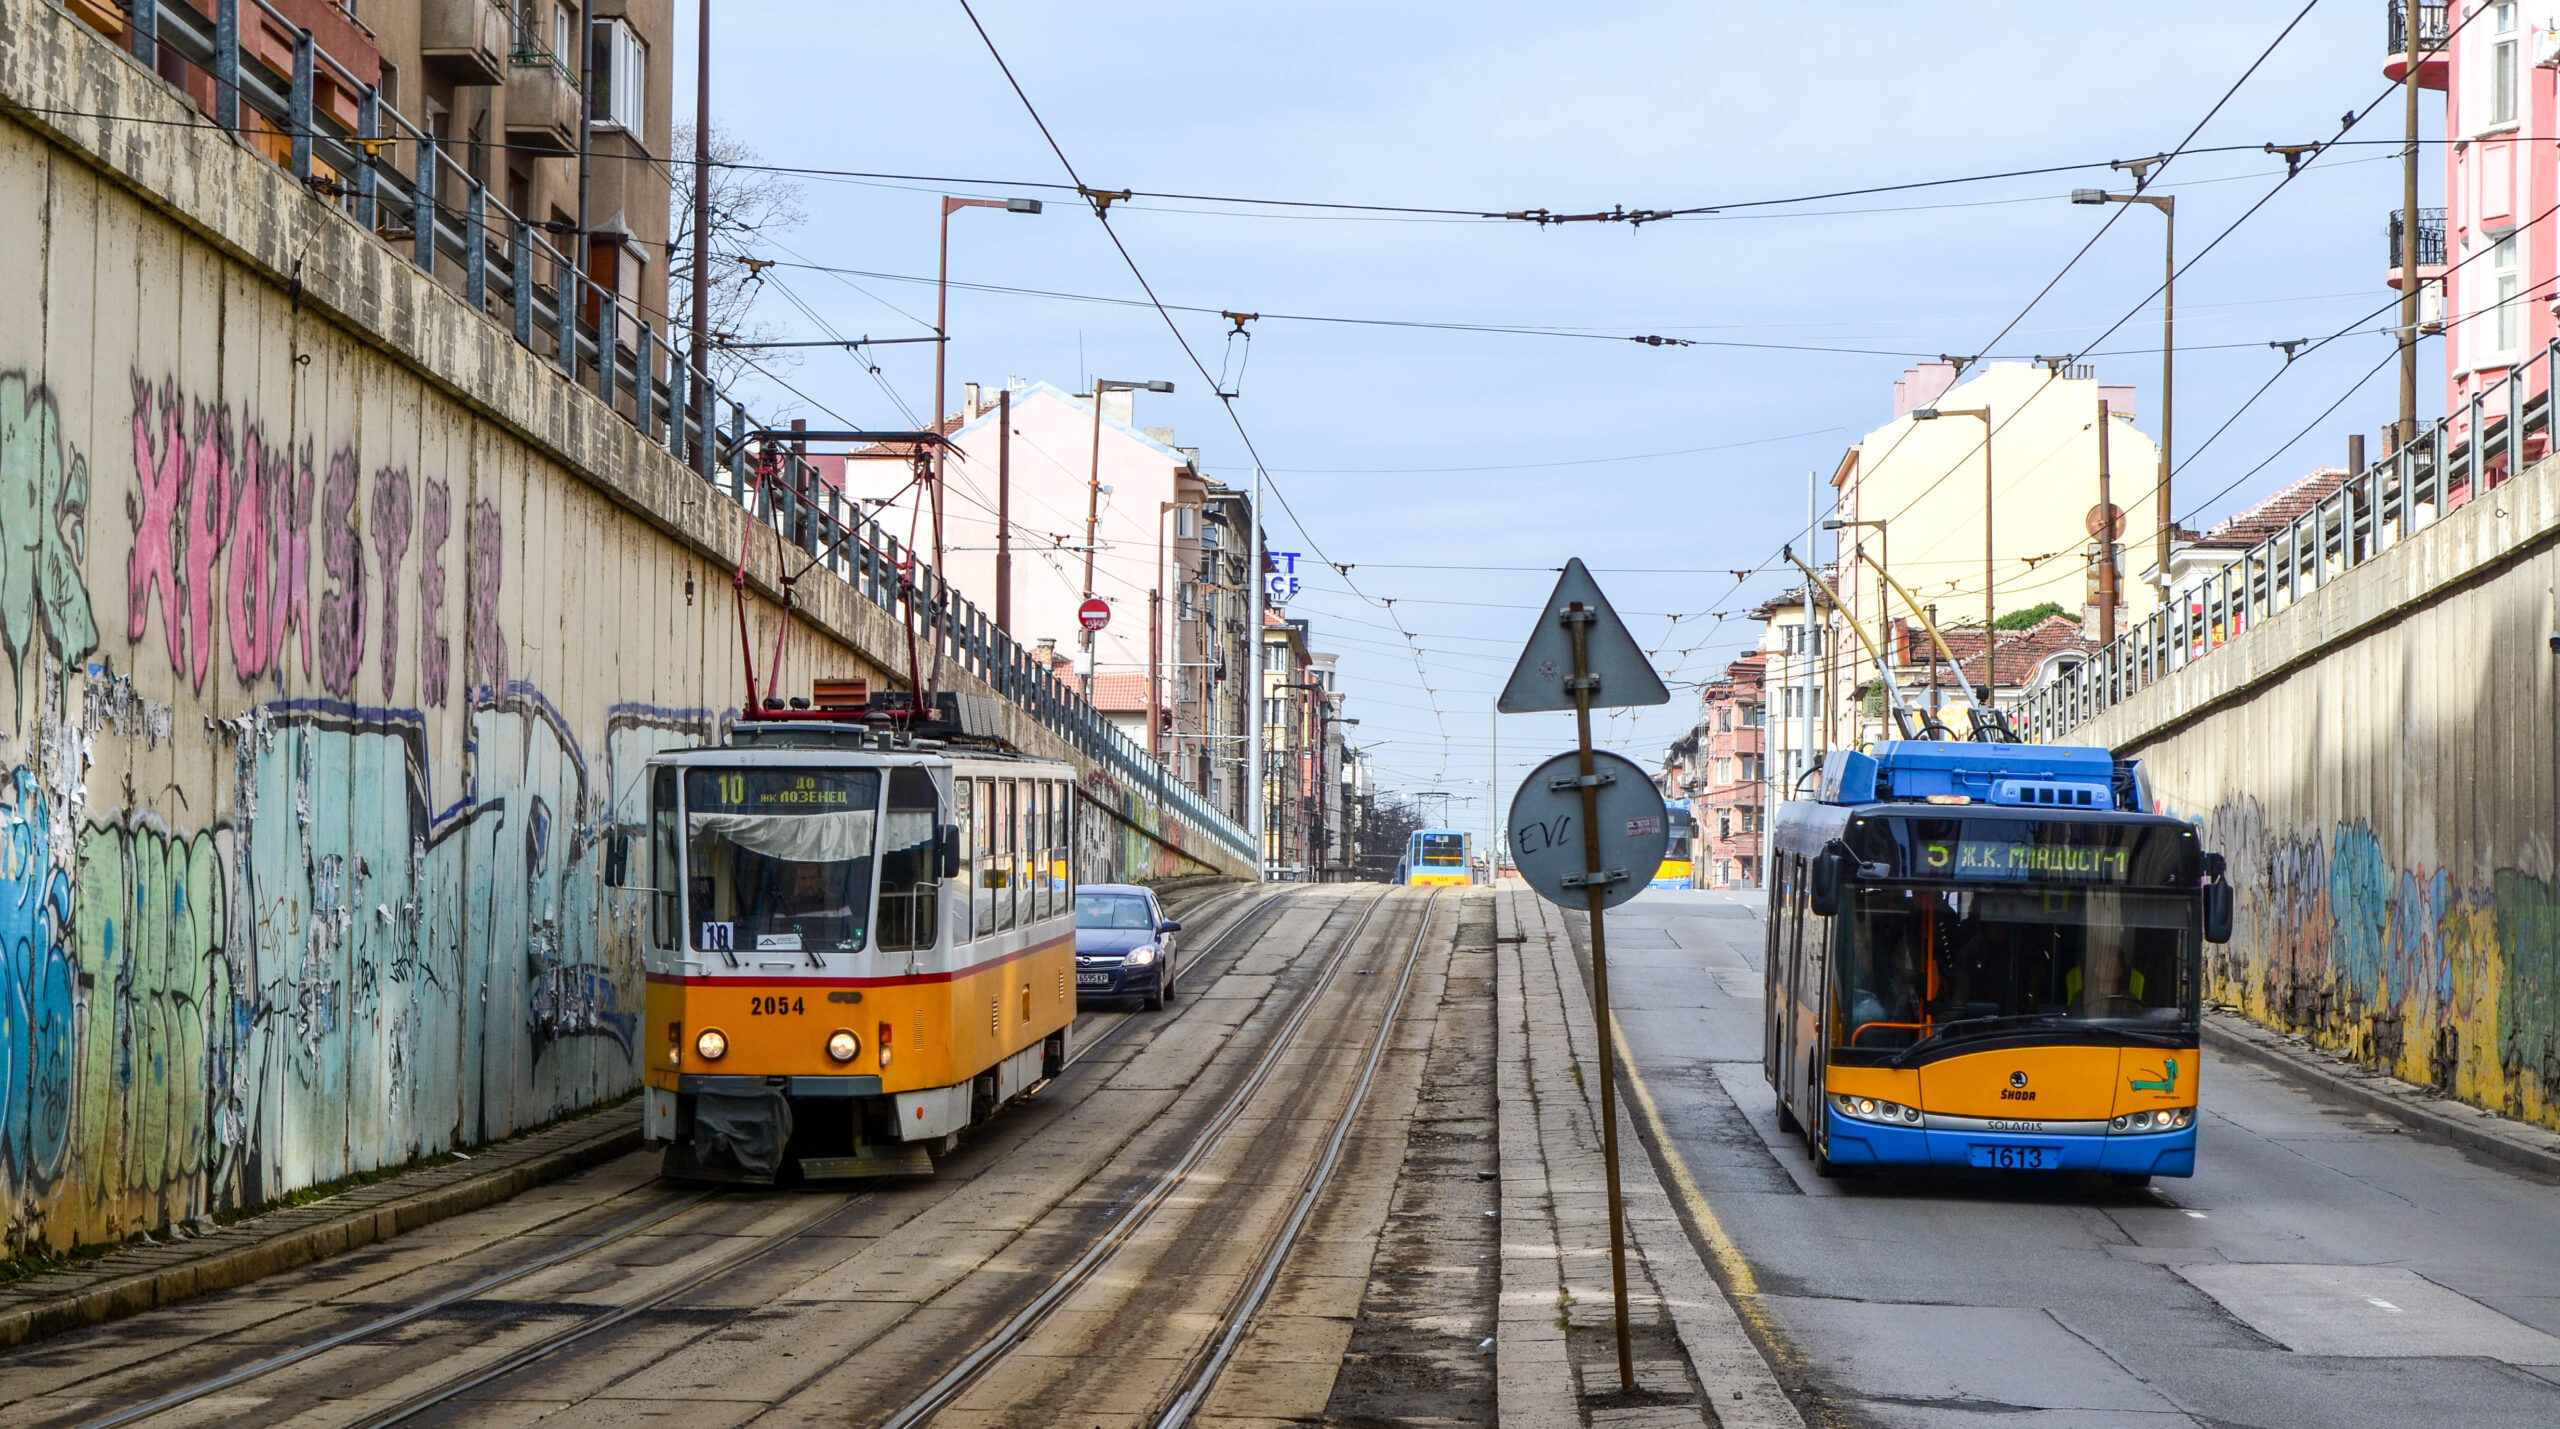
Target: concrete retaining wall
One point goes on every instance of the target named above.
(336, 626)
(2378, 764)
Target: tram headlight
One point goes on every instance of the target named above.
(712, 1045)
(844, 1046)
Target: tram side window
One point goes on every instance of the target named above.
(1009, 830)
(665, 880)
(1038, 792)
(964, 887)
(988, 880)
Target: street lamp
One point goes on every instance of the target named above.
(1884, 599)
(2168, 206)
(942, 337)
(1990, 662)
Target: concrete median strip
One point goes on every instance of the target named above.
(136, 1278)
(1555, 1355)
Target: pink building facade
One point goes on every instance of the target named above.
(2490, 271)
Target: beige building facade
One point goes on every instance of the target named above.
(1924, 481)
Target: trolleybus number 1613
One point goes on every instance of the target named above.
(776, 1006)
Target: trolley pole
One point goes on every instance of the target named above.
(1577, 619)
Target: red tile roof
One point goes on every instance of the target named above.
(2274, 513)
(1120, 692)
(2021, 651)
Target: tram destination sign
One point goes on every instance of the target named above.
(1546, 830)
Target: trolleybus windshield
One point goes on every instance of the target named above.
(1938, 966)
(780, 860)
(1444, 850)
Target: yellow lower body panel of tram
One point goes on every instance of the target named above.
(919, 1046)
(1439, 880)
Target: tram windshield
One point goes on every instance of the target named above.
(1444, 850)
(1941, 965)
(780, 860)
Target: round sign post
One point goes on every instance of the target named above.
(1095, 613)
(1547, 835)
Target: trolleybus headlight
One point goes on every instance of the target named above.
(844, 1046)
(713, 1044)
(2186, 1114)
(2116, 1123)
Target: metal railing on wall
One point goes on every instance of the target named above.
(2476, 448)
(400, 184)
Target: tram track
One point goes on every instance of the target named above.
(1205, 1140)
(1243, 918)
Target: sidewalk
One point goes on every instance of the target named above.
(2422, 1109)
(1556, 1348)
(143, 1276)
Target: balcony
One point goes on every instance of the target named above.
(2430, 246)
(542, 105)
(2433, 28)
(465, 42)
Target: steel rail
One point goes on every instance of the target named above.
(544, 1349)
(446, 1393)
(177, 1398)
(1015, 1331)
(1246, 917)
(1240, 1317)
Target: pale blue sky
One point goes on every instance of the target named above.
(1509, 106)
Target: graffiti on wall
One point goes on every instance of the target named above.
(2445, 978)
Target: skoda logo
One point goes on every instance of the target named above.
(2017, 1079)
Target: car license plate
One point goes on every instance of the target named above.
(1093, 979)
(2019, 1158)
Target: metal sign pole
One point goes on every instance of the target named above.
(1578, 618)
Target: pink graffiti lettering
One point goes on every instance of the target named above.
(391, 520)
(342, 552)
(249, 586)
(159, 464)
(483, 645)
(435, 650)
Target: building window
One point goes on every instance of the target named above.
(618, 75)
(1724, 718)
(2502, 278)
(2502, 63)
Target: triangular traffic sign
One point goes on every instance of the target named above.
(1624, 676)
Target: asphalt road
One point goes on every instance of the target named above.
(2323, 1268)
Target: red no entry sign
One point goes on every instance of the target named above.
(1095, 613)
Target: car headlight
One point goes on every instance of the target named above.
(1140, 957)
(844, 1046)
(712, 1045)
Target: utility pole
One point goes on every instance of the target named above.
(1254, 812)
(701, 219)
(2407, 431)
(2106, 524)
(1812, 633)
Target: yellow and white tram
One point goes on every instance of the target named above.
(858, 946)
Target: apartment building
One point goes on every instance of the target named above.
(558, 112)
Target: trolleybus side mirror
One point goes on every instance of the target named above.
(2217, 912)
(1829, 867)
(946, 851)
(617, 859)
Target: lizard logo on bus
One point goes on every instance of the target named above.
(2167, 1082)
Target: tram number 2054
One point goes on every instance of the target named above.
(776, 1006)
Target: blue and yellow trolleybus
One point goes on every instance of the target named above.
(1989, 955)
(1437, 856)
(1679, 868)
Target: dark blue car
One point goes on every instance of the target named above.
(1124, 944)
